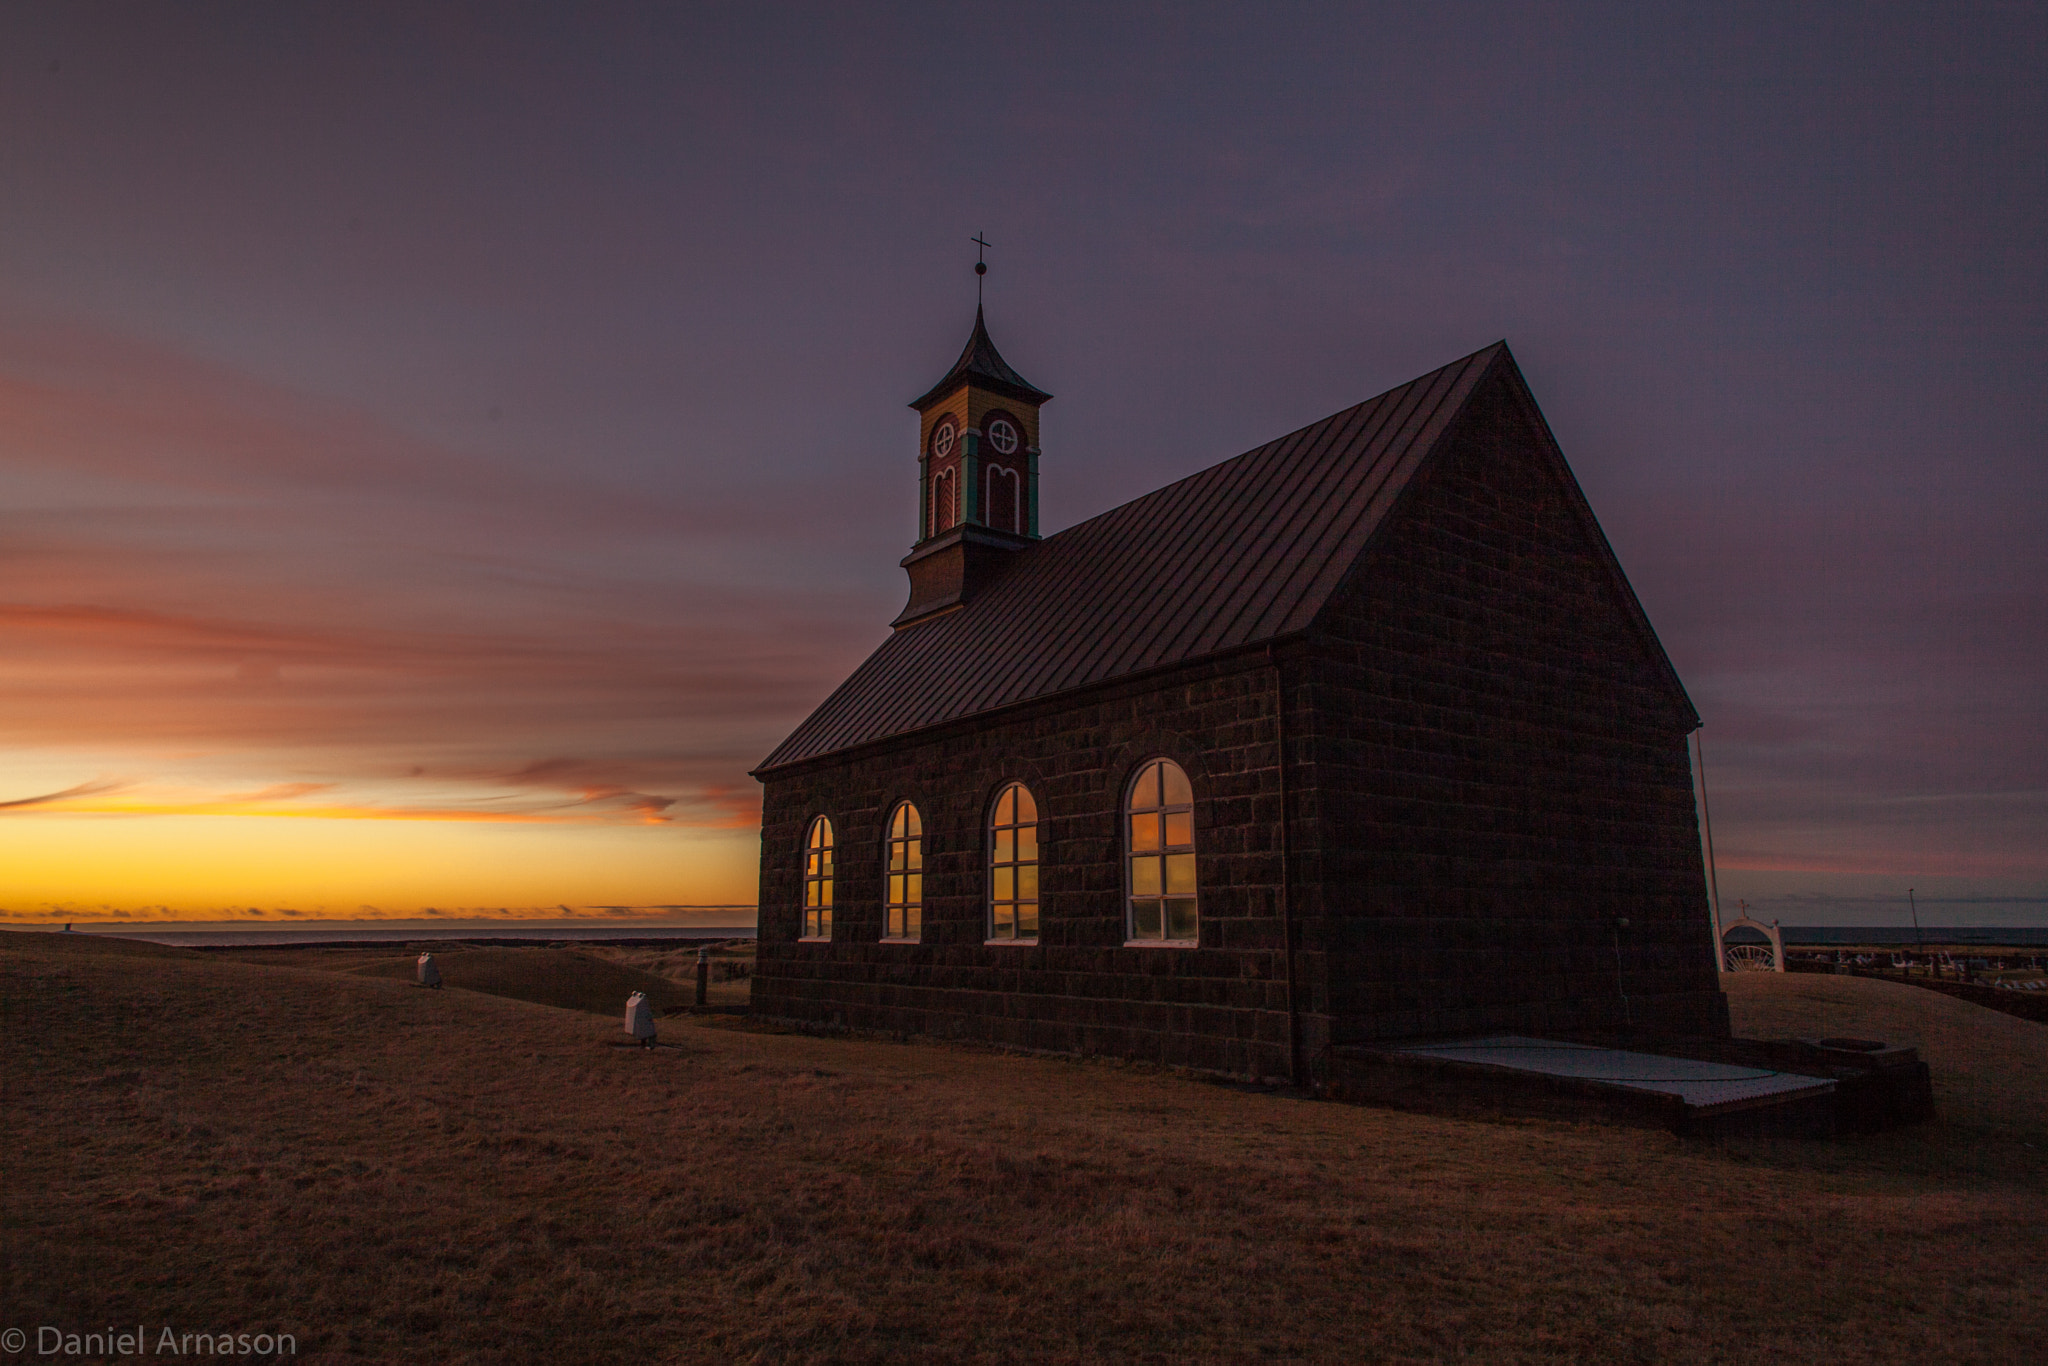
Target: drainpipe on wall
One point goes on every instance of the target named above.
(1294, 1069)
(1707, 822)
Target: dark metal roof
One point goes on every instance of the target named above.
(1243, 552)
(982, 363)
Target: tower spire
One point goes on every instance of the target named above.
(981, 244)
(978, 467)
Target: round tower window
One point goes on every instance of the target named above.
(942, 439)
(1002, 435)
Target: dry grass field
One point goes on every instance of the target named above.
(394, 1174)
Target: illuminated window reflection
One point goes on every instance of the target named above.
(1013, 866)
(905, 911)
(1159, 829)
(818, 881)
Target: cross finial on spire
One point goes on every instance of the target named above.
(981, 244)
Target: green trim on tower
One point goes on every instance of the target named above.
(970, 479)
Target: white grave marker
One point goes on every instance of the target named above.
(640, 1019)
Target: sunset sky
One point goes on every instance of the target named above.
(443, 447)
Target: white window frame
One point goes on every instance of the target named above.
(912, 846)
(993, 866)
(820, 877)
(1163, 849)
(988, 495)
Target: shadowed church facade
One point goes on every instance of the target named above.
(1360, 735)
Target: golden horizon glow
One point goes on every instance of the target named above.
(68, 866)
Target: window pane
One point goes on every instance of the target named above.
(1004, 884)
(1027, 844)
(810, 865)
(1180, 828)
(1005, 846)
(1144, 832)
(896, 823)
(1027, 809)
(1027, 882)
(891, 923)
(896, 889)
(916, 857)
(1180, 917)
(916, 896)
(913, 923)
(825, 892)
(1178, 793)
(1003, 927)
(825, 856)
(1180, 874)
(913, 824)
(810, 894)
(825, 921)
(1006, 807)
(1144, 920)
(1145, 876)
(1027, 920)
(1145, 796)
(895, 857)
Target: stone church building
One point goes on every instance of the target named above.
(1361, 735)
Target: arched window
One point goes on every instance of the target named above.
(818, 881)
(942, 500)
(1159, 825)
(1013, 866)
(1004, 499)
(905, 912)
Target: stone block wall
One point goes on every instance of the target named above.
(1221, 1007)
(1500, 770)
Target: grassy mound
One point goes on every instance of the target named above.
(1990, 1069)
(549, 977)
(54, 944)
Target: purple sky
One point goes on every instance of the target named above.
(427, 407)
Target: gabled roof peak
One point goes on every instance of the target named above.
(980, 363)
(1241, 554)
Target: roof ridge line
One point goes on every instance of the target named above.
(1253, 450)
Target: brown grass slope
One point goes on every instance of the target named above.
(397, 1175)
(550, 977)
(593, 978)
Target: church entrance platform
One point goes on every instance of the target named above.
(1790, 1088)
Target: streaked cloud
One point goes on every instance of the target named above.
(67, 800)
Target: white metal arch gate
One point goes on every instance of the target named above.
(1768, 957)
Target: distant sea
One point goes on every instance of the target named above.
(2015, 936)
(475, 934)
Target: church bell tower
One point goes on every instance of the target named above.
(977, 477)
